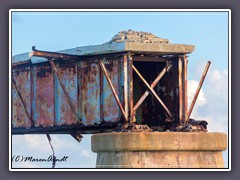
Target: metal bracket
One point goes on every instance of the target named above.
(169, 65)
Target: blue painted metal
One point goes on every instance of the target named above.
(68, 75)
(21, 77)
(90, 92)
(111, 110)
(44, 96)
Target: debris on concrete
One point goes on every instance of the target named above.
(137, 36)
(193, 126)
(132, 127)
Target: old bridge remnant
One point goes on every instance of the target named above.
(136, 80)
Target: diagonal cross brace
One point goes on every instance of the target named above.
(65, 91)
(197, 91)
(144, 96)
(112, 88)
(152, 91)
(23, 104)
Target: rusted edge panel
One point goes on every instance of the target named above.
(23, 104)
(66, 129)
(111, 109)
(90, 92)
(25, 63)
(64, 112)
(21, 87)
(180, 86)
(79, 90)
(44, 95)
(68, 99)
(53, 55)
(112, 88)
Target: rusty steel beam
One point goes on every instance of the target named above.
(54, 68)
(23, 104)
(180, 87)
(144, 96)
(130, 89)
(53, 55)
(101, 94)
(197, 91)
(79, 85)
(112, 88)
(150, 59)
(125, 84)
(152, 91)
(185, 95)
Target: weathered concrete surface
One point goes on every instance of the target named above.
(124, 41)
(161, 49)
(136, 36)
(159, 150)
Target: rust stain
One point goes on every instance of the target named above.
(67, 74)
(111, 110)
(21, 77)
(44, 96)
(90, 92)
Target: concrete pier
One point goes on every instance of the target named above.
(159, 149)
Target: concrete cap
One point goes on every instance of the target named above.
(155, 141)
(157, 49)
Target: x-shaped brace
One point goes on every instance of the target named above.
(150, 87)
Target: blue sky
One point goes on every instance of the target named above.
(54, 31)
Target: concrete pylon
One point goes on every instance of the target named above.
(159, 149)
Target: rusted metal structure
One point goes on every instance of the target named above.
(95, 88)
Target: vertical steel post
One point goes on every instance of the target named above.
(184, 91)
(130, 89)
(79, 86)
(101, 95)
(125, 84)
(180, 88)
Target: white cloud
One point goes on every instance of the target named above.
(212, 103)
(37, 143)
(85, 153)
(64, 145)
(192, 87)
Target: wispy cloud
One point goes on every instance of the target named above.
(212, 103)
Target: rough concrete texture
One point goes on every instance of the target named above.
(156, 49)
(160, 159)
(159, 150)
(136, 41)
(137, 36)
